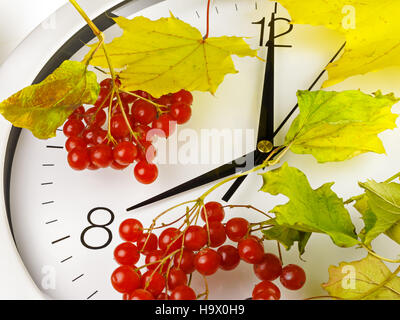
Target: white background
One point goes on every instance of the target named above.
(17, 19)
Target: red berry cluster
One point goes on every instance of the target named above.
(123, 135)
(172, 256)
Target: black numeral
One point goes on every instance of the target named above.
(102, 226)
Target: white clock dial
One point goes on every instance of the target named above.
(50, 203)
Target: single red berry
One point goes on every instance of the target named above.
(127, 98)
(145, 172)
(88, 134)
(142, 130)
(101, 155)
(150, 240)
(195, 238)
(125, 279)
(75, 142)
(165, 100)
(182, 96)
(163, 296)
(217, 233)
(99, 136)
(153, 282)
(78, 159)
(181, 113)
(264, 295)
(118, 126)
(126, 254)
(207, 261)
(144, 112)
(104, 98)
(164, 126)
(293, 277)
(78, 113)
(185, 261)
(230, 258)
(153, 260)
(131, 230)
(214, 210)
(268, 288)
(270, 268)
(250, 250)
(106, 83)
(125, 153)
(141, 294)
(95, 117)
(183, 293)
(170, 240)
(147, 152)
(143, 94)
(176, 278)
(73, 128)
(237, 228)
(116, 166)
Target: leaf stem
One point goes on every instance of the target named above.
(208, 20)
(371, 252)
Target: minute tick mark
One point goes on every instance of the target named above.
(46, 183)
(55, 147)
(91, 295)
(52, 221)
(47, 202)
(78, 277)
(66, 259)
(61, 239)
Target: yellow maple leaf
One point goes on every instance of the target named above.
(371, 29)
(168, 55)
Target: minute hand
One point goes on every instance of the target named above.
(266, 123)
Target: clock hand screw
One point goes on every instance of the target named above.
(265, 146)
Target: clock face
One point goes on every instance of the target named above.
(65, 223)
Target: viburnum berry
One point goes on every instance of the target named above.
(165, 100)
(153, 261)
(251, 250)
(217, 233)
(147, 242)
(95, 117)
(125, 153)
(145, 172)
(79, 159)
(73, 128)
(153, 282)
(140, 294)
(126, 254)
(164, 126)
(170, 240)
(101, 155)
(207, 261)
(75, 142)
(176, 278)
(293, 277)
(182, 96)
(106, 83)
(142, 131)
(214, 210)
(195, 238)
(270, 268)
(181, 112)
(183, 293)
(236, 228)
(163, 296)
(185, 261)
(78, 113)
(125, 279)
(266, 289)
(144, 112)
(116, 166)
(118, 126)
(147, 152)
(230, 258)
(131, 230)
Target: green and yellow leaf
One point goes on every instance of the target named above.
(168, 55)
(287, 237)
(309, 210)
(370, 27)
(367, 279)
(337, 126)
(43, 107)
(380, 209)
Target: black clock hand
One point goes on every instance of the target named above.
(266, 123)
(213, 175)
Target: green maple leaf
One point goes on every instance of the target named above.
(44, 107)
(167, 55)
(365, 283)
(287, 237)
(337, 126)
(380, 209)
(309, 210)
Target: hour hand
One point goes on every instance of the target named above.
(213, 175)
